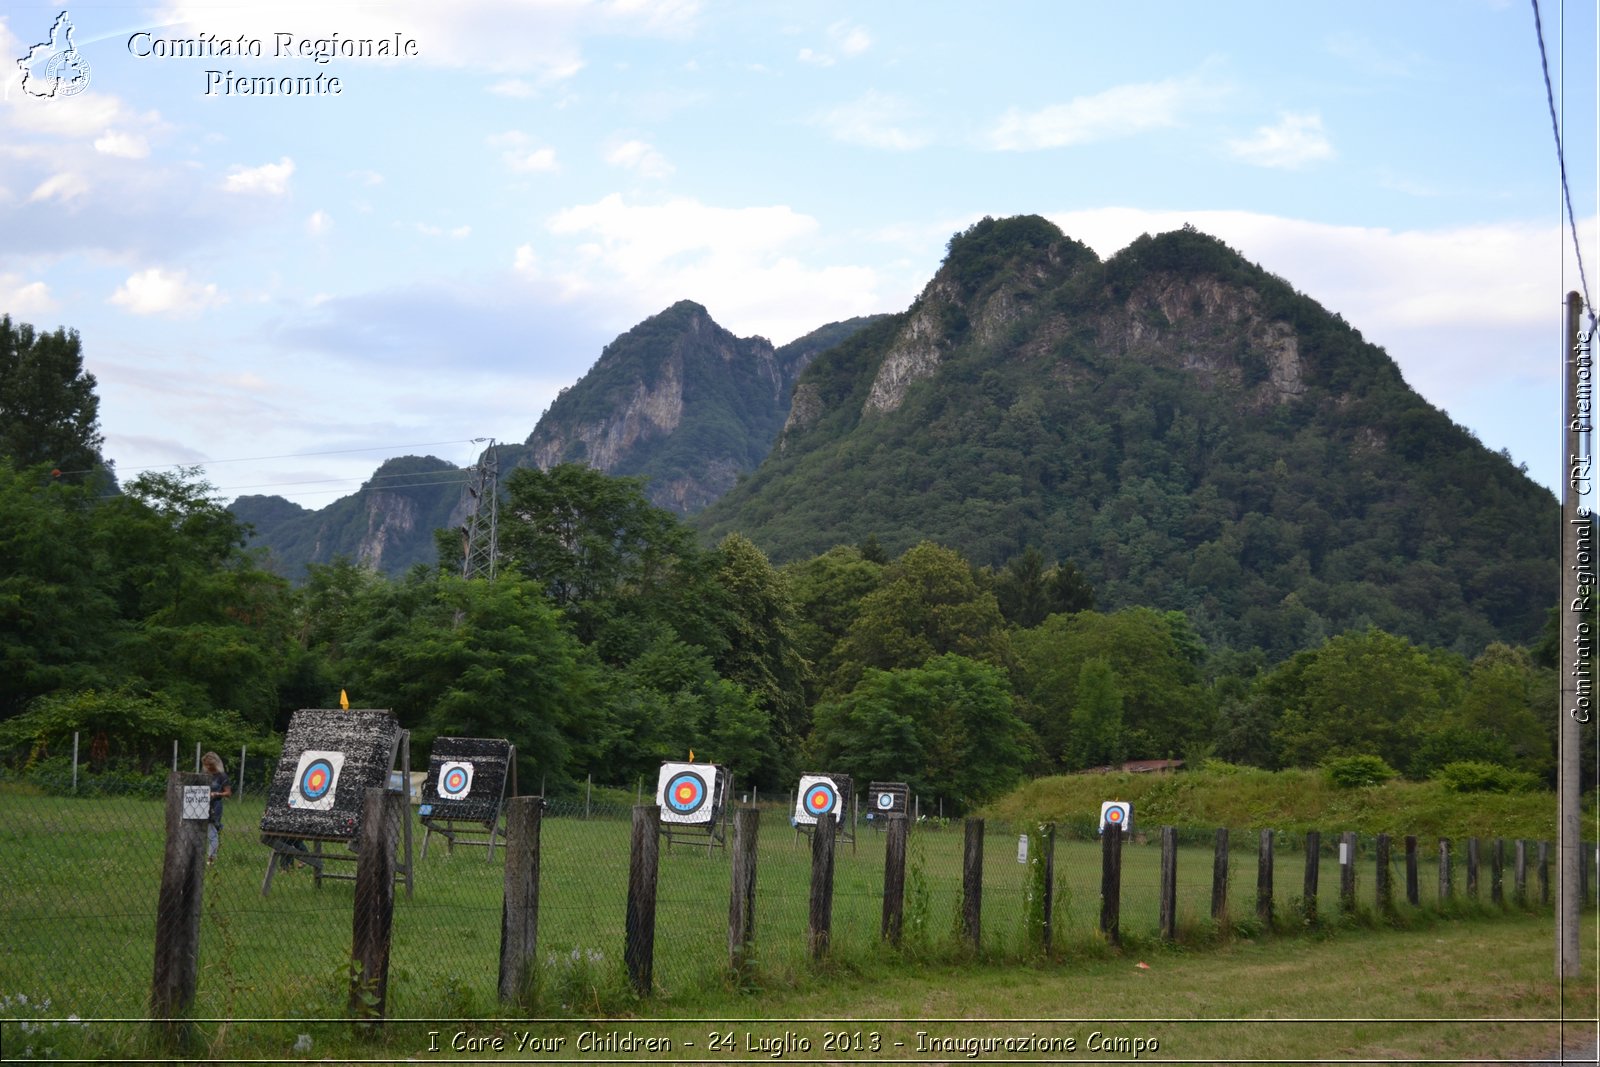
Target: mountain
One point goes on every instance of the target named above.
(677, 400)
(1185, 427)
(681, 402)
(387, 524)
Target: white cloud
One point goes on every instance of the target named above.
(747, 262)
(456, 232)
(269, 179)
(159, 292)
(516, 88)
(1296, 140)
(32, 298)
(519, 154)
(844, 38)
(65, 187)
(639, 156)
(875, 120)
(319, 223)
(1121, 111)
(851, 40)
(125, 145)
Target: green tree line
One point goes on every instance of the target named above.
(613, 639)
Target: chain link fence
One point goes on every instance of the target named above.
(86, 875)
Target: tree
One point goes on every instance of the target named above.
(928, 604)
(948, 729)
(827, 591)
(1165, 708)
(596, 546)
(1097, 738)
(759, 623)
(1369, 693)
(476, 658)
(48, 409)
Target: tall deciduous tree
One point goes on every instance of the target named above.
(49, 413)
(948, 729)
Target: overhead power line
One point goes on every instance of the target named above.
(1561, 162)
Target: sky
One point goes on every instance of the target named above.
(285, 290)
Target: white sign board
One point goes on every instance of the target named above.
(197, 802)
(1022, 848)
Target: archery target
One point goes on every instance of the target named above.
(818, 795)
(1116, 814)
(887, 798)
(455, 780)
(316, 780)
(686, 792)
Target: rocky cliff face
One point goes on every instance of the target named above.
(680, 401)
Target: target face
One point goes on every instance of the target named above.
(1116, 815)
(316, 780)
(821, 798)
(687, 792)
(885, 801)
(818, 796)
(455, 780)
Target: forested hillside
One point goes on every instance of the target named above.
(1186, 428)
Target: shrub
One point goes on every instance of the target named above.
(1475, 776)
(1352, 772)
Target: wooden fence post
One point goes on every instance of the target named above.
(1264, 879)
(519, 915)
(1497, 871)
(1313, 870)
(742, 892)
(894, 878)
(1347, 871)
(644, 858)
(820, 929)
(1519, 872)
(1383, 887)
(1219, 877)
(1413, 896)
(1544, 873)
(372, 921)
(1472, 867)
(972, 883)
(1047, 841)
(1169, 883)
(183, 870)
(1111, 884)
(1446, 885)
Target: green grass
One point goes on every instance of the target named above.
(1293, 800)
(81, 904)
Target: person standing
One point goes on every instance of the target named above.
(220, 789)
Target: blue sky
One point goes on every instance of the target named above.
(287, 290)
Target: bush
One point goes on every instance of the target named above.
(1475, 776)
(1352, 772)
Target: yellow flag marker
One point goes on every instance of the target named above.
(691, 755)
(344, 701)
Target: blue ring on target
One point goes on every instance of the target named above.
(885, 801)
(1114, 816)
(685, 793)
(317, 779)
(821, 798)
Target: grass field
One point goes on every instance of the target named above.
(80, 919)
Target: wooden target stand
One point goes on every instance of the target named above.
(287, 848)
(845, 827)
(713, 833)
(466, 831)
